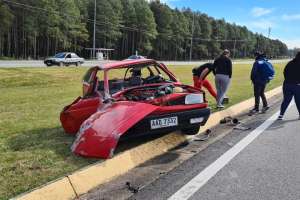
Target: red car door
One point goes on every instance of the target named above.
(82, 108)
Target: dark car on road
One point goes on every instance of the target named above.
(64, 59)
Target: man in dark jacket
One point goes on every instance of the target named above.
(260, 78)
(199, 76)
(223, 72)
(291, 85)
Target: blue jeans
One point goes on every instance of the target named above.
(290, 91)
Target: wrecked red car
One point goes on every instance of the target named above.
(131, 98)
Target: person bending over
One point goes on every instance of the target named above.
(199, 76)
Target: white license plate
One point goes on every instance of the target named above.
(196, 120)
(164, 122)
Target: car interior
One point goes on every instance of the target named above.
(132, 77)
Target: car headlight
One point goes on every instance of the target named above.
(194, 99)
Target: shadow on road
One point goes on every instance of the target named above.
(281, 124)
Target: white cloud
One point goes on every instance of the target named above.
(168, 2)
(258, 11)
(263, 24)
(292, 43)
(164, 1)
(291, 17)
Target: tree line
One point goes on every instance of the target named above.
(39, 28)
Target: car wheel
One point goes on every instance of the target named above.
(48, 64)
(191, 131)
(78, 64)
(61, 64)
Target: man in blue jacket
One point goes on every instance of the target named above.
(262, 72)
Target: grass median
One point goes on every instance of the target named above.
(34, 148)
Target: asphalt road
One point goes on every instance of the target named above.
(40, 63)
(262, 163)
(267, 168)
(89, 63)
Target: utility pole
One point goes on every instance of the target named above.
(234, 45)
(94, 36)
(269, 32)
(191, 48)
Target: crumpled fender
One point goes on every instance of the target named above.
(99, 134)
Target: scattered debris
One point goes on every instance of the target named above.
(131, 188)
(234, 122)
(241, 127)
(205, 136)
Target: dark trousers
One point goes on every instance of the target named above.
(290, 91)
(259, 92)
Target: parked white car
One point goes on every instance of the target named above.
(64, 59)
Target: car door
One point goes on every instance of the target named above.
(68, 58)
(75, 58)
(83, 107)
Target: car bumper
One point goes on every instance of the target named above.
(50, 62)
(184, 122)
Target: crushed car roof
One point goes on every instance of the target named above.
(125, 63)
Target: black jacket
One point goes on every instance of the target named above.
(292, 72)
(223, 65)
(198, 70)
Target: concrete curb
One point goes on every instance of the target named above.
(237, 109)
(82, 181)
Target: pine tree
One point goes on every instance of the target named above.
(146, 26)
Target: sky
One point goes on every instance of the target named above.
(282, 16)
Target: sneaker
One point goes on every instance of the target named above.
(264, 109)
(253, 111)
(220, 106)
(280, 117)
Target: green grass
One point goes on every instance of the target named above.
(33, 147)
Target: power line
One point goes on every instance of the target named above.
(220, 40)
(114, 26)
(26, 6)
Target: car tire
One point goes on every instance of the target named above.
(78, 64)
(61, 64)
(191, 131)
(48, 64)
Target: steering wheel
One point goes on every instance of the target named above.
(154, 79)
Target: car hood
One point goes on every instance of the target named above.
(100, 133)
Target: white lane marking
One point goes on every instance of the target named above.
(198, 181)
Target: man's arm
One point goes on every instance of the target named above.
(214, 67)
(253, 71)
(286, 71)
(230, 68)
